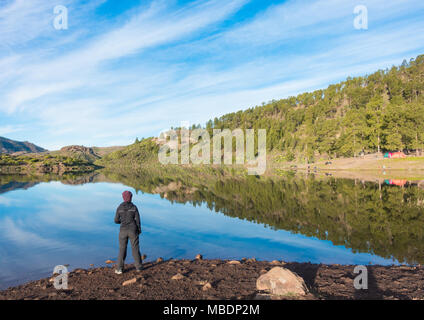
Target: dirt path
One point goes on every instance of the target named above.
(227, 281)
(369, 168)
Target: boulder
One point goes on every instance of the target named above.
(233, 262)
(159, 260)
(199, 257)
(281, 281)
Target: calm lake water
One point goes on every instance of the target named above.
(49, 223)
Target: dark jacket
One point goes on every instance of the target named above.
(128, 217)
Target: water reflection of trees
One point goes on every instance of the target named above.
(381, 219)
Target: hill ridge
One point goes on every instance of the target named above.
(12, 146)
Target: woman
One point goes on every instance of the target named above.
(128, 217)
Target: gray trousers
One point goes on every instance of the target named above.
(132, 235)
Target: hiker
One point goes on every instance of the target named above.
(128, 217)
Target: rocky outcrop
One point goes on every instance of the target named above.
(80, 152)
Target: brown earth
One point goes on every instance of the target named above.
(371, 167)
(218, 279)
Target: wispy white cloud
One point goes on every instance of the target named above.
(160, 63)
(7, 129)
(16, 233)
(5, 201)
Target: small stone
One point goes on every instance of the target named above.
(251, 260)
(199, 257)
(91, 265)
(207, 286)
(233, 262)
(159, 260)
(275, 263)
(109, 261)
(178, 276)
(79, 271)
(128, 282)
(263, 271)
(143, 257)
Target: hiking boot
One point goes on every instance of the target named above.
(119, 271)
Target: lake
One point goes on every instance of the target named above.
(44, 224)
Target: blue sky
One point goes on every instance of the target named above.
(126, 69)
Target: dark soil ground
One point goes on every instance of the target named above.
(227, 281)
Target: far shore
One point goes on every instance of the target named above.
(368, 168)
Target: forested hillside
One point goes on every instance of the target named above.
(379, 112)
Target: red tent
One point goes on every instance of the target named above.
(398, 182)
(397, 155)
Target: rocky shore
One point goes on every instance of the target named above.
(221, 279)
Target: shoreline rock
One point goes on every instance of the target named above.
(282, 282)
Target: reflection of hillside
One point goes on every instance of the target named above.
(386, 220)
(366, 217)
(13, 182)
(10, 186)
(91, 177)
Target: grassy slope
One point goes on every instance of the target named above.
(42, 164)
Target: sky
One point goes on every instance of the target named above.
(127, 69)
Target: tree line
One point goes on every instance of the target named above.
(383, 111)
